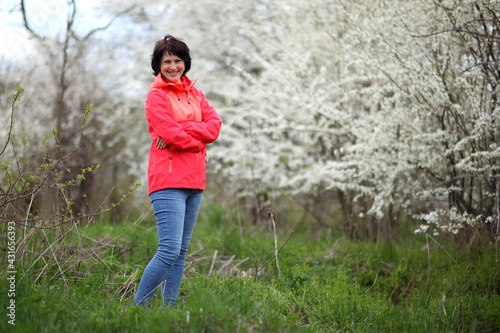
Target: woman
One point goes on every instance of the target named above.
(181, 123)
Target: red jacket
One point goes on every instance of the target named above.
(182, 117)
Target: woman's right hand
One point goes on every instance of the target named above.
(160, 144)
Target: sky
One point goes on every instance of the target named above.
(47, 17)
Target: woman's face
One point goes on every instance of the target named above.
(172, 67)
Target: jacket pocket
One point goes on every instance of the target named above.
(169, 159)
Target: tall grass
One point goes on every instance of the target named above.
(327, 283)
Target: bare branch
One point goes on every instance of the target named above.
(89, 34)
(26, 23)
(441, 6)
(16, 97)
(457, 30)
(484, 64)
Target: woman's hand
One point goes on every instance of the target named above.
(160, 144)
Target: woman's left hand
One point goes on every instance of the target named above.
(160, 144)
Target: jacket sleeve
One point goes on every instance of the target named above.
(162, 122)
(208, 130)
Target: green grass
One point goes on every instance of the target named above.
(327, 283)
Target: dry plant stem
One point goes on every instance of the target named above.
(429, 260)
(213, 263)
(374, 282)
(442, 304)
(70, 266)
(265, 264)
(66, 283)
(48, 248)
(28, 213)
(42, 271)
(226, 264)
(449, 255)
(66, 221)
(80, 246)
(128, 283)
(79, 260)
(151, 292)
(242, 261)
(75, 225)
(96, 256)
(239, 225)
(24, 242)
(498, 223)
(275, 244)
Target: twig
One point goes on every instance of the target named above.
(497, 236)
(41, 272)
(257, 272)
(226, 264)
(66, 283)
(440, 247)
(457, 30)
(128, 283)
(26, 23)
(275, 243)
(152, 292)
(442, 304)
(89, 34)
(47, 249)
(374, 282)
(239, 226)
(429, 261)
(16, 97)
(242, 261)
(481, 64)
(64, 220)
(213, 263)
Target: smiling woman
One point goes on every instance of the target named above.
(181, 124)
(172, 67)
(167, 51)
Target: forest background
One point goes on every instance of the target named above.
(373, 124)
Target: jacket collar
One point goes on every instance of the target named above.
(160, 82)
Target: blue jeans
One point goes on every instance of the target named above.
(176, 211)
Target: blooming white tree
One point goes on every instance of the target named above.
(350, 97)
(443, 112)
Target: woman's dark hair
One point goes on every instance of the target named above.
(173, 46)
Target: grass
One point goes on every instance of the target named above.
(328, 283)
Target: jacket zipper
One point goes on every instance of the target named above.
(192, 110)
(197, 168)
